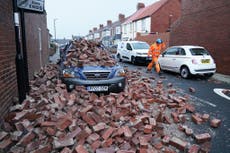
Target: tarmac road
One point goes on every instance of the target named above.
(205, 100)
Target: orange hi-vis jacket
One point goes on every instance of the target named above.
(155, 49)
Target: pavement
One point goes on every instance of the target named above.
(221, 77)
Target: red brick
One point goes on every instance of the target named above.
(99, 127)
(125, 151)
(143, 150)
(158, 145)
(43, 149)
(108, 133)
(50, 131)
(74, 133)
(3, 135)
(196, 119)
(194, 149)
(178, 143)
(192, 90)
(107, 142)
(66, 150)
(201, 138)
(5, 142)
(143, 142)
(16, 135)
(64, 123)
(205, 117)
(81, 149)
(88, 119)
(166, 139)
(215, 123)
(95, 145)
(148, 129)
(62, 143)
(87, 108)
(190, 108)
(127, 131)
(93, 137)
(27, 138)
(106, 150)
(48, 123)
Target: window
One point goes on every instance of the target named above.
(128, 46)
(143, 25)
(181, 51)
(171, 51)
(140, 46)
(198, 51)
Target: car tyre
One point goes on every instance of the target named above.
(119, 57)
(184, 72)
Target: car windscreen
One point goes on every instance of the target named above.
(140, 46)
(198, 51)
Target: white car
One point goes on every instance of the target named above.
(187, 60)
(133, 51)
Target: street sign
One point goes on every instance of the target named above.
(34, 5)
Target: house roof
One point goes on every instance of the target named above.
(146, 11)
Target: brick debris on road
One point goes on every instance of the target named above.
(142, 118)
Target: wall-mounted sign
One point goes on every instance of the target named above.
(34, 5)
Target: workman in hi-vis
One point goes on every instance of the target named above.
(155, 50)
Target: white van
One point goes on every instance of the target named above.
(133, 51)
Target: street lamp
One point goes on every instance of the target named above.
(55, 29)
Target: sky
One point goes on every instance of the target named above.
(77, 17)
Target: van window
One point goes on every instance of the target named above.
(140, 46)
(128, 46)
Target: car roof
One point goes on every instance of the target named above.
(134, 41)
(187, 46)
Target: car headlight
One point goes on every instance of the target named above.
(68, 73)
(120, 72)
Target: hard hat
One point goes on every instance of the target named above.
(159, 41)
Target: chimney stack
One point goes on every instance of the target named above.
(94, 29)
(101, 26)
(121, 17)
(140, 6)
(109, 22)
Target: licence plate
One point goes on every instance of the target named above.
(97, 88)
(205, 61)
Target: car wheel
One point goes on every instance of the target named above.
(133, 61)
(184, 72)
(119, 57)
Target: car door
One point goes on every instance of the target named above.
(121, 49)
(178, 59)
(129, 52)
(167, 59)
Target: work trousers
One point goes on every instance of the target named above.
(154, 61)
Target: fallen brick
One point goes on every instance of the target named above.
(178, 143)
(127, 131)
(5, 142)
(106, 150)
(143, 142)
(80, 149)
(191, 89)
(27, 138)
(215, 123)
(194, 149)
(3, 134)
(99, 127)
(148, 129)
(62, 143)
(43, 149)
(196, 119)
(95, 145)
(108, 133)
(205, 117)
(93, 137)
(66, 150)
(201, 138)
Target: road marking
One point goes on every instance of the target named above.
(219, 92)
(199, 99)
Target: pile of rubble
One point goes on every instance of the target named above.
(143, 118)
(84, 52)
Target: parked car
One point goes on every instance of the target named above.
(133, 51)
(96, 78)
(187, 60)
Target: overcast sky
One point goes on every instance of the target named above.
(77, 17)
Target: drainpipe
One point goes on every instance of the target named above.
(19, 55)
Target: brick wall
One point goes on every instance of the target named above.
(35, 24)
(205, 23)
(151, 38)
(161, 20)
(8, 79)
